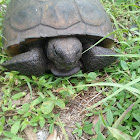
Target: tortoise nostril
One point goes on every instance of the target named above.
(55, 53)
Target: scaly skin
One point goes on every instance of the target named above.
(64, 52)
(63, 57)
(33, 62)
(92, 62)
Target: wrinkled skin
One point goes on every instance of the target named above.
(62, 56)
(64, 52)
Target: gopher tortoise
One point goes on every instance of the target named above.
(51, 35)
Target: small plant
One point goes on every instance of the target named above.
(49, 104)
(87, 128)
(31, 101)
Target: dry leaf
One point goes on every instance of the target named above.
(30, 134)
(59, 89)
(53, 136)
(95, 120)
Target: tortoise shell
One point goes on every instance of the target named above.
(30, 19)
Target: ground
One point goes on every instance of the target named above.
(112, 93)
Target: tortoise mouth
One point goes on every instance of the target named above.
(65, 66)
(63, 73)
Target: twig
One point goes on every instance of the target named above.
(93, 99)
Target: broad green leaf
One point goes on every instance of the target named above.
(90, 132)
(36, 101)
(100, 136)
(15, 128)
(41, 95)
(41, 122)
(79, 132)
(18, 95)
(119, 135)
(17, 138)
(20, 111)
(25, 78)
(124, 65)
(26, 107)
(74, 80)
(51, 128)
(9, 134)
(27, 114)
(138, 19)
(91, 76)
(34, 124)
(119, 105)
(60, 103)
(89, 114)
(137, 116)
(35, 119)
(75, 131)
(78, 125)
(10, 104)
(136, 134)
(2, 122)
(80, 86)
(87, 122)
(47, 107)
(98, 127)
(88, 128)
(134, 75)
(30, 88)
(109, 117)
(1, 128)
(23, 125)
(52, 97)
(135, 65)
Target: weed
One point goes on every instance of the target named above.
(31, 100)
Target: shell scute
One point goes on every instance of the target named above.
(59, 14)
(26, 15)
(91, 12)
(26, 19)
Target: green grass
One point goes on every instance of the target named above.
(122, 97)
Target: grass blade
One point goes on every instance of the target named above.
(120, 119)
(119, 135)
(115, 93)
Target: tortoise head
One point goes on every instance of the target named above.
(65, 53)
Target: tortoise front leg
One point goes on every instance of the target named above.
(33, 62)
(92, 62)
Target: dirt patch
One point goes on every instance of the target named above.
(74, 112)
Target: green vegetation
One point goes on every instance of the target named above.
(31, 100)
